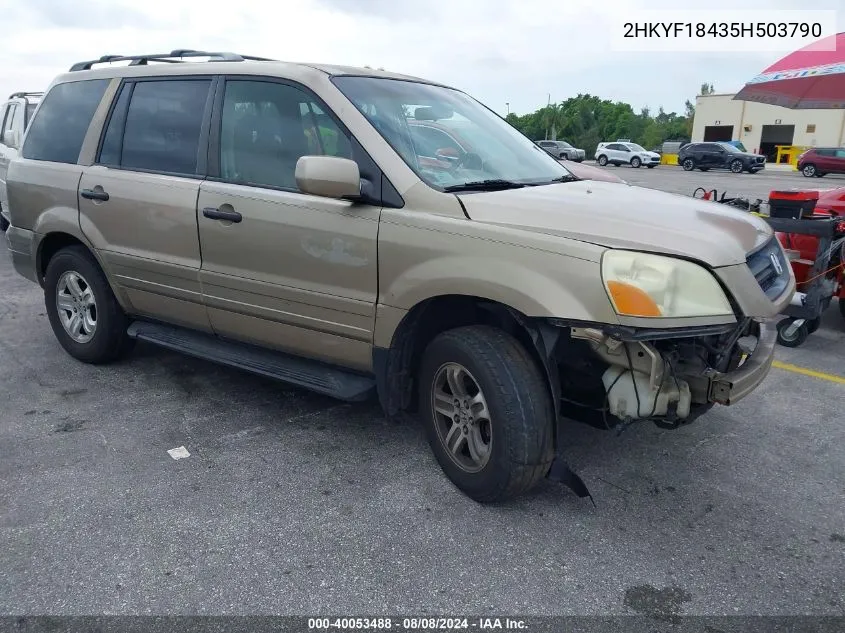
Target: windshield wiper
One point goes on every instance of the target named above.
(494, 184)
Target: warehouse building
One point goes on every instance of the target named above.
(761, 127)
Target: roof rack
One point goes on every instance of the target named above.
(174, 56)
(24, 95)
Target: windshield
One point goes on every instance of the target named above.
(564, 144)
(636, 148)
(730, 148)
(448, 138)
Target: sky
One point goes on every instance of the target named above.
(511, 54)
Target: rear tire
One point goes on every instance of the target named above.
(688, 164)
(506, 449)
(83, 311)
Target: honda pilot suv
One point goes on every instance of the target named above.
(280, 218)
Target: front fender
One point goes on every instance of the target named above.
(571, 290)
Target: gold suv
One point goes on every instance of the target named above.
(362, 233)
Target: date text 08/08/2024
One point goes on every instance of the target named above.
(416, 624)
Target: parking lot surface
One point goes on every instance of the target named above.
(294, 504)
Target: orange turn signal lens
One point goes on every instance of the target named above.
(631, 301)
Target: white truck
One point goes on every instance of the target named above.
(15, 115)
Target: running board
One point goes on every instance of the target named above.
(301, 372)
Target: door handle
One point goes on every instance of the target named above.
(219, 214)
(94, 194)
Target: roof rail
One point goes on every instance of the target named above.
(24, 95)
(174, 56)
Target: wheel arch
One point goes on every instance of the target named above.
(396, 366)
(54, 241)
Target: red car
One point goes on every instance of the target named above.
(819, 161)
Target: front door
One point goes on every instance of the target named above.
(138, 204)
(280, 268)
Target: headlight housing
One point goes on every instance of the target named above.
(655, 286)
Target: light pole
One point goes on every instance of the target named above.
(507, 103)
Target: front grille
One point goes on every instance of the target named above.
(773, 278)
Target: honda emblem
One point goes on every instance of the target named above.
(776, 264)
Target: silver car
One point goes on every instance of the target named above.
(15, 115)
(562, 149)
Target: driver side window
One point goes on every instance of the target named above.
(428, 140)
(267, 126)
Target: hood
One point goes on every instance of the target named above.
(588, 172)
(621, 216)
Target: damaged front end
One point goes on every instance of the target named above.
(669, 377)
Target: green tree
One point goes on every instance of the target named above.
(586, 120)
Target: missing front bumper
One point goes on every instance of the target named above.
(730, 388)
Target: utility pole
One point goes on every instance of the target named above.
(548, 107)
(508, 105)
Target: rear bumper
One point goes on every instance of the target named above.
(22, 249)
(731, 387)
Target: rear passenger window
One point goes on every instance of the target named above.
(113, 140)
(162, 129)
(57, 132)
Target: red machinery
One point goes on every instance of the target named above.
(810, 226)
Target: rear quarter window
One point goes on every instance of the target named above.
(58, 130)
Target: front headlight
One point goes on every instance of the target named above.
(645, 285)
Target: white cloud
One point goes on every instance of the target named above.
(515, 51)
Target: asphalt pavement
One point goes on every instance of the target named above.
(291, 503)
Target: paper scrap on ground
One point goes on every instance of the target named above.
(179, 453)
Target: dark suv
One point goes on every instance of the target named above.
(822, 160)
(706, 156)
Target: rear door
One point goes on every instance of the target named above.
(295, 272)
(138, 203)
(825, 160)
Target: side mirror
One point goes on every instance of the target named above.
(328, 177)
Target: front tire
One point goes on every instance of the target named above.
(84, 314)
(603, 160)
(688, 164)
(736, 166)
(636, 162)
(487, 412)
(809, 170)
